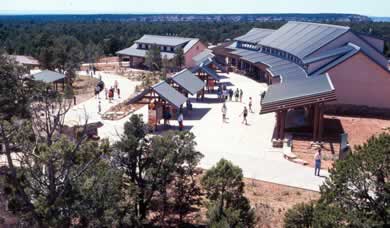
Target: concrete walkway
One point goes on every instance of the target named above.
(89, 109)
(248, 146)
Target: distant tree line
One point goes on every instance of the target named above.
(95, 38)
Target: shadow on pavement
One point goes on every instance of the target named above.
(197, 114)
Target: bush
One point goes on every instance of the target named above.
(300, 216)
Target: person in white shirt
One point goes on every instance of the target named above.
(180, 119)
(224, 111)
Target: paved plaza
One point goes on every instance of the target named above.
(248, 146)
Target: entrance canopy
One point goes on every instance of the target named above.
(284, 96)
(188, 81)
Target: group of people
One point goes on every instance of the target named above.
(228, 94)
(244, 112)
(109, 93)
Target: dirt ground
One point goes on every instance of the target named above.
(359, 130)
(84, 88)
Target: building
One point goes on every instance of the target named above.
(135, 55)
(27, 61)
(312, 68)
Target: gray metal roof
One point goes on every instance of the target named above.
(207, 70)
(255, 35)
(48, 76)
(188, 81)
(302, 38)
(288, 71)
(164, 40)
(134, 51)
(355, 49)
(314, 89)
(203, 56)
(169, 94)
(328, 54)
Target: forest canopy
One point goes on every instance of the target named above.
(29, 37)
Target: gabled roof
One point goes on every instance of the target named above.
(169, 94)
(133, 51)
(203, 56)
(48, 76)
(163, 40)
(207, 70)
(188, 81)
(283, 96)
(303, 38)
(25, 60)
(328, 54)
(255, 35)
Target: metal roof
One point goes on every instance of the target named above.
(203, 56)
(169, 94)
(255, 35)
(207, 70)
(328, 54)
(303, 38)
(282, 96)
(134, 51)
(164, 40)
(188, 81)
(25, 60)
(277, 66)
(48, 76)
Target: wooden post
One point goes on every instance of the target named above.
(282, 124)
(321, 121)
(315, 122)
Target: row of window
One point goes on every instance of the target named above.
(271, 51)
(162, 48)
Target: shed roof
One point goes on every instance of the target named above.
(169, 94)
(255, 35)
(25, 60)
(188, 81)
(203, 56)
(328, 54)
(163, 40)
(207, 70)
(48, 76)
(316, 89)
(303, 38)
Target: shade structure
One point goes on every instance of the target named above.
(284, 96)
(48, 76)
(188, 81)
(169, 94)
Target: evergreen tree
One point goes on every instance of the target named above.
(153, 59)
(224, 188)
(179, 58)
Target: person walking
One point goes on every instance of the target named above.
(180, 119)
(106, 93)
(110, 95)
(237, 94)
(250, 105)
(245, 115)
(317, 161)
(230, 94)
(100, 107)
(119, 92)
(97, 91)
(241, 94)
(224, 111)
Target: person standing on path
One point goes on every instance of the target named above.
(245, 115)
(99, 107)
(317, 160)
(237, 94)
(106, 92)
(224, 111)
(250, 105)
(230, 94)
(119, 92)
(241, 94)
(180, 120)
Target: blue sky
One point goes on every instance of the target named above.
(365, 7)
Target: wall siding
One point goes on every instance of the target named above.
(192, 52)
(360, 81)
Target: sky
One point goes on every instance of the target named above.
(364, 7)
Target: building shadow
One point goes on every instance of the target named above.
(196, 114)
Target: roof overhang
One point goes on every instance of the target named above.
(317, 89)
